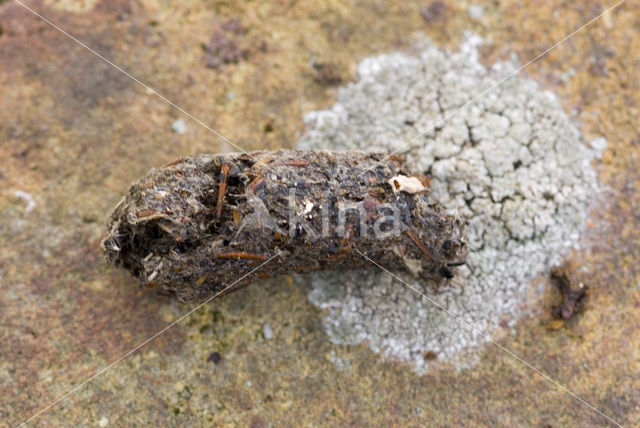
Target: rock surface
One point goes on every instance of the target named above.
(75, 132)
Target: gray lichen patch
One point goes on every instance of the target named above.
(512, 162)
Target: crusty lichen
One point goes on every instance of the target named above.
(512, 162)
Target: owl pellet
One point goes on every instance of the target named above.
(197, 225)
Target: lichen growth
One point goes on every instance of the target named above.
(511, 161)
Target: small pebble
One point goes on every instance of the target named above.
(436, 11)
(186, 393)
(215, 358)
(179, 127)
(267, 331)
(476, 11)
(103, 422)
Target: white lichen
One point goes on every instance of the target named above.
(512, 162)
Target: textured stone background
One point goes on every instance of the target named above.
(75, 132)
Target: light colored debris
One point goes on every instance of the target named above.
(179, 127)
(308, 207)
(267, 331)
(401, 183)
(31, 203)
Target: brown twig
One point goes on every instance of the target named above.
(419, 244)
(224, 176)
(145, 213)
(253, 186)
(175, 162)
(242, 255)
(294, 163)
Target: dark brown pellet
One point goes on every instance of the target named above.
(197, 225)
